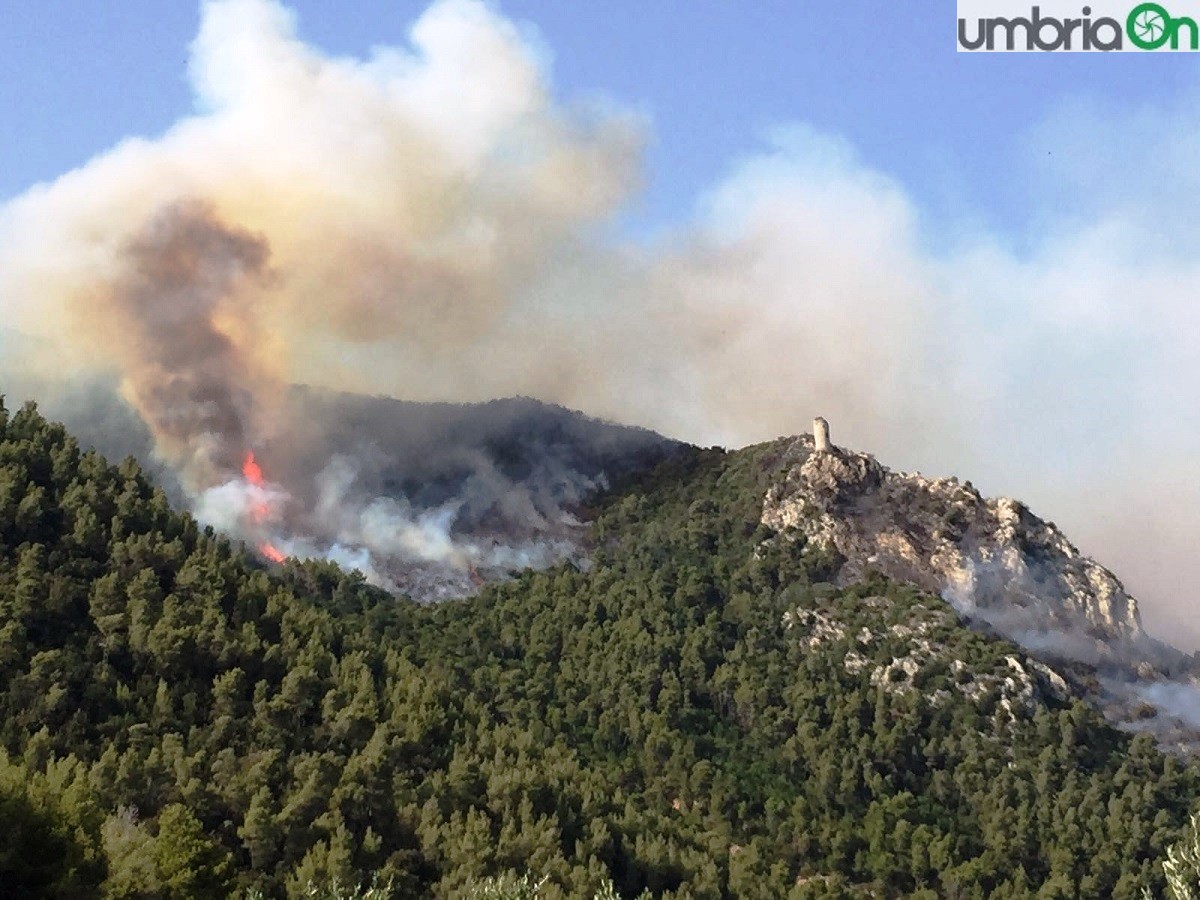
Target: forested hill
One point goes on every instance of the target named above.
(698, 714)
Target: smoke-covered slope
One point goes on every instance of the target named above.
(432, 453)
(434, 499)
(427, 499)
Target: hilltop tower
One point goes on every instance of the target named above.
(820, 435)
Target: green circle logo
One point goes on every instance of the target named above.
(1148, 25)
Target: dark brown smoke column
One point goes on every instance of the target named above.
(183, 285)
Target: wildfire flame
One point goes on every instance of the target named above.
(252, 472)
(271, 552)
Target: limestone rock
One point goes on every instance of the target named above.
(992, 558)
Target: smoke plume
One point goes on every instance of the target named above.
(433, 223)
(171, 321)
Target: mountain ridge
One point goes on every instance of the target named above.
(998, 564)
(945, 536)
(699, 713)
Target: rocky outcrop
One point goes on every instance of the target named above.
(991, 558)
(910, 655)
(1001, 567)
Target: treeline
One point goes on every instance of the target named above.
(178, 721)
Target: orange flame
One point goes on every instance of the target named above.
(252, 472)
(271, 552)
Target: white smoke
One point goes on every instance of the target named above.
(1179, 699)
(237, 506)
(428, 552)
(438, 226)
(393, 529)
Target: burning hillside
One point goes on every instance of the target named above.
(438, 219)
(259, 511)
(427, 499)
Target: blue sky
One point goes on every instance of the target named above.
(973, 264)
(959, 131)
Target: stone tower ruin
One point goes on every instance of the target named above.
(820, 435)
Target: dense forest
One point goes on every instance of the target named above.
(699, 713)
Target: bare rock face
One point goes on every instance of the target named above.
(1002, 568)
(991, 558)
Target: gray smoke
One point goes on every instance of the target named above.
(425, 499)
(1179, 699)
(440, 226)
(167, 319)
